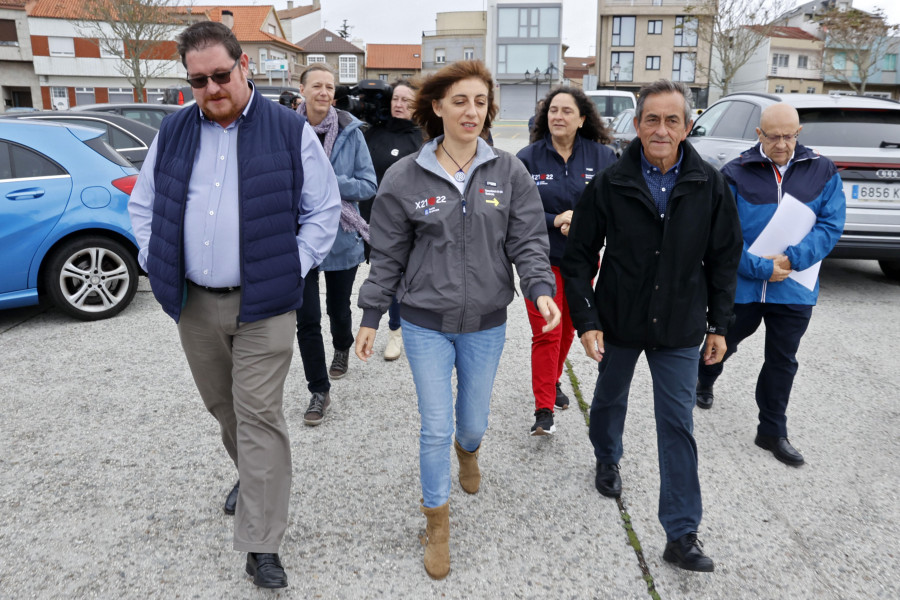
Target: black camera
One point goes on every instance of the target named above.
(369, 100)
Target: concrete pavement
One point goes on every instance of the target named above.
(112, 474)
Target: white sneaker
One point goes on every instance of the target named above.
(394, 346)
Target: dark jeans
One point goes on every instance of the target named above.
(338, 285)
(674, 373)
(394, 315)
(785, 325)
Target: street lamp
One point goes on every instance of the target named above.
(615, 69)
(538, 77)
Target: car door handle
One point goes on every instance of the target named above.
(26, 194)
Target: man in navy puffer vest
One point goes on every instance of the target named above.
(236, 202)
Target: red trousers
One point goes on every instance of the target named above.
(549, 350)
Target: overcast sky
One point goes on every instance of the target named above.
(402, 21)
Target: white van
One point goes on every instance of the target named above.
(609, 103)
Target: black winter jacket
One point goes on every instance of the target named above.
(662, 280)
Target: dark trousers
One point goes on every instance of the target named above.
(785, 325)
(338, 286)
(674, 373)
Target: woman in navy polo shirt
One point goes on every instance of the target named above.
(567, 151)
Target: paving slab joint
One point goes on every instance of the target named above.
(633, 540)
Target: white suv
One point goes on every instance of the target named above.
(860, 134)
(610, 103)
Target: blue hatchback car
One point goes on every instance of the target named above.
(65, 234)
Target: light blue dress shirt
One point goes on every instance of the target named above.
(212, 215)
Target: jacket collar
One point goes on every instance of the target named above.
(756, 155)
(427, 157)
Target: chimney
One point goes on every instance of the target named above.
(228, 19)
(290, 4)
(316, 5)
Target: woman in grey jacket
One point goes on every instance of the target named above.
(446, 225)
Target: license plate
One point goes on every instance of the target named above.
(872, 192)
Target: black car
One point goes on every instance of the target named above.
(148, 114)
(130, 138)
(622, 131)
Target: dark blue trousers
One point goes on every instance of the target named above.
(338, 286)
(785, 325)
(674, 373)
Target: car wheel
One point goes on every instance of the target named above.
(891, 268)
(91, 278)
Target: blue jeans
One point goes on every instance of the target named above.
(432, 356)
(674, 373)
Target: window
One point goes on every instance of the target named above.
(528, 22)
(654, 27)
(315, 58)
(839, 61)
(811, 89)
(383, 76)
(683, 66)
(780, 60)
(60, 46)
(155, 96)
(779, 89)
(625, 61)
(272, 29)
(440, 56)
(802, 62)
(623, 31)
(686, 31)
(518, 58)
(468, 53)
(111, 48)
(84, 95)
(121, 95)
(8, 35)
(347, 63)
(17, 162)
(652, 63)
(889, 63)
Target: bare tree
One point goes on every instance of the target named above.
(137, 32)
(733, 31)
(855, 43)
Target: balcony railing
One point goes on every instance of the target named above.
(455, 32)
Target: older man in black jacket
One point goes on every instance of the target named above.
(673, 241)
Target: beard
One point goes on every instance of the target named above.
(221, 111)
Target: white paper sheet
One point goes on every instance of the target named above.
(791, 222)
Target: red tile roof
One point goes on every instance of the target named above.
(297, 11)
(248, 20)
(13, 4)
(320, 42)
(394, 56)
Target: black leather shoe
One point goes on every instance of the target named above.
(231, 500)
(687, 553)
(781, 448)
(704, 396)
(608, 481)
(266, 570)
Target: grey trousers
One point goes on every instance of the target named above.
(240, 371)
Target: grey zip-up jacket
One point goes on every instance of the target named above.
(448, 256)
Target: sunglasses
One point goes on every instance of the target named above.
(221, 78)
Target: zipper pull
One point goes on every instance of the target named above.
(464, 205)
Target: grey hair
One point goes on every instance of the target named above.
(664, 86)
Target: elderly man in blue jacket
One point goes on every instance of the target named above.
(782, 287)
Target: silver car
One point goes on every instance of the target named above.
(860, 134)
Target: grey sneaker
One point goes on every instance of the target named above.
(318, 404)
(339, 364)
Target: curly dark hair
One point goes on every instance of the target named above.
(435, 88)
(594, 128)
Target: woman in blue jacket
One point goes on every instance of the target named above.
(566, 153)
(342, 139)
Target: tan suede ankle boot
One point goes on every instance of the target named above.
(469, 473)
(437, 541)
